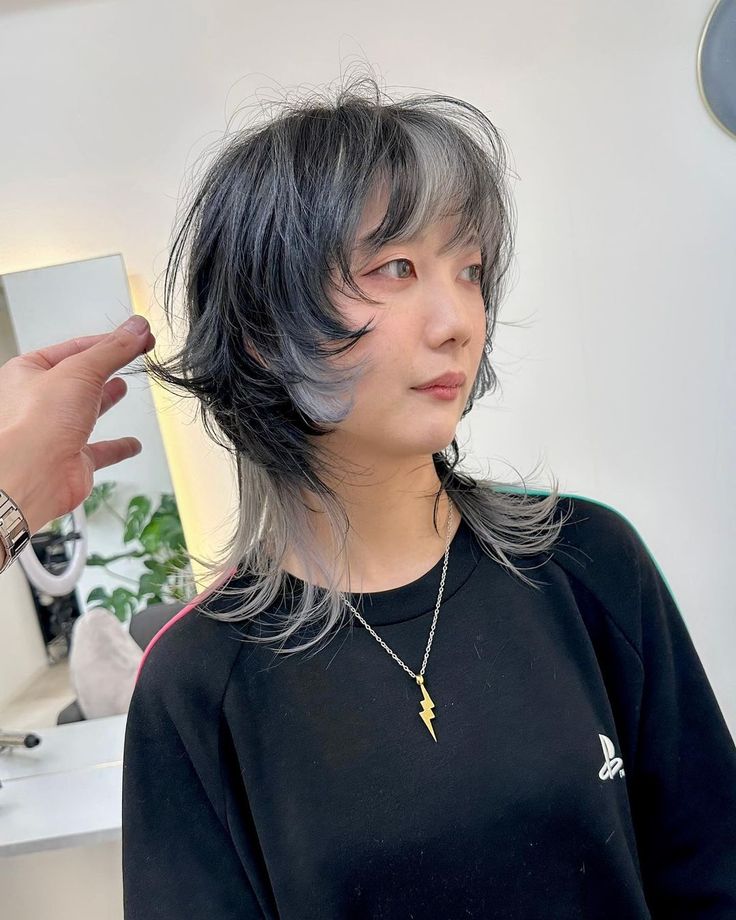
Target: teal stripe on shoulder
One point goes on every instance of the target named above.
(519, 491)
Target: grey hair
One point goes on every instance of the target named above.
(274, 217)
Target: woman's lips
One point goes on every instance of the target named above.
(439, 392)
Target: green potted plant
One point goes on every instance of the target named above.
(157, 538)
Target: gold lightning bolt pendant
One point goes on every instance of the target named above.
(426, 715)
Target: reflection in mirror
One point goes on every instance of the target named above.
(57, 666)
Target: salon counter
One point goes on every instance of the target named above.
(60, 822)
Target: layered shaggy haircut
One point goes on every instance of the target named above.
(270, 226)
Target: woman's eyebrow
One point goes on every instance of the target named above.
(462, 246)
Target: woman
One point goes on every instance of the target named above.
(483, 743)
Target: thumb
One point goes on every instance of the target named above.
(114, 350)
(134, 325)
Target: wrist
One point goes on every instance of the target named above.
(17, 481)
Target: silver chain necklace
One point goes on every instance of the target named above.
(427, 714)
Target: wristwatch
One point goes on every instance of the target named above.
(14, 532)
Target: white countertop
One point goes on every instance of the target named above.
(66, 791)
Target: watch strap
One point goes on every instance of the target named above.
(14, 531)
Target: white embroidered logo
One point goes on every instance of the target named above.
(612, 764)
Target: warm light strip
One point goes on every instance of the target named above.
(177, 446)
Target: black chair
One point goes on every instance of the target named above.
(143, 627)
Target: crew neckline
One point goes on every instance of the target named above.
(417, 597)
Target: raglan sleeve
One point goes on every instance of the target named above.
(178, 856)
(684, 784)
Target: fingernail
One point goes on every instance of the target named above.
(136, 324)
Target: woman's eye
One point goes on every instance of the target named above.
(394, 262)
(475, 280)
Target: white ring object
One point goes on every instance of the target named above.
(65, 582)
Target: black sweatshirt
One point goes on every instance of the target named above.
(582, 766)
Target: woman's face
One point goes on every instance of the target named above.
(431, 320)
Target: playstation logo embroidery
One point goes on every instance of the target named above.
(612, 764)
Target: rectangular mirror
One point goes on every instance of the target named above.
(135, 498)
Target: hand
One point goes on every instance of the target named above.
(50, 400)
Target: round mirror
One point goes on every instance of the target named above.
(717, 64)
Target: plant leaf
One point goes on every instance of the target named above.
(139, 508)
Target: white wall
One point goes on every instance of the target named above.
(621, 376)
(80, 884)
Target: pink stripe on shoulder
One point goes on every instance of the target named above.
(185, 610)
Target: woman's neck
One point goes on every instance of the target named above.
(391, 542)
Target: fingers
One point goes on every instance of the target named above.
(112, 393)
(105, 343)
(108, 453)
(51, 355)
